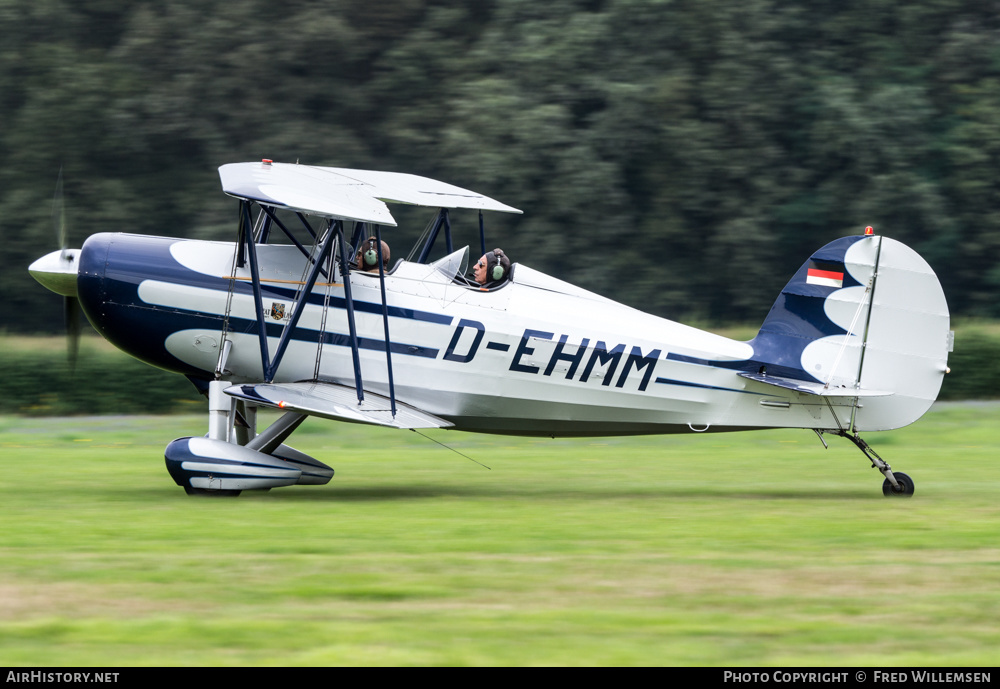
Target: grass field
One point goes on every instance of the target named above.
(731, 549)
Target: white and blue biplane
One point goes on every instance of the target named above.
(857, 341)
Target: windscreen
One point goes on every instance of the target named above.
(454, 264)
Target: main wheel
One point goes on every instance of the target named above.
(905, 489)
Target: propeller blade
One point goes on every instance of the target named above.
(59, 214)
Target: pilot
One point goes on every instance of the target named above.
(367, 257)
(492, 269)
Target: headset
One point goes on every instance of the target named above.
(371, 253)
(497, 272)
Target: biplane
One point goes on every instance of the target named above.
(283, 318)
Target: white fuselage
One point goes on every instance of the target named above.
(535, 356)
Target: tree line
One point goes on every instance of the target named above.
(681, 156)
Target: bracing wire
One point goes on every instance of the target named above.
(449, 448)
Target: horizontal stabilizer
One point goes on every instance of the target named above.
(809, 388)
(333, 401)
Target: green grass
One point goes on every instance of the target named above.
(730, 549)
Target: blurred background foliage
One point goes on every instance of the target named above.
(682, 156)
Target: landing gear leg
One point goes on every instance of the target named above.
(896, 485)
(245, 422)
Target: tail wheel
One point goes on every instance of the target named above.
(905, 489)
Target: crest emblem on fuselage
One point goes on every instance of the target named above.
(277, 310)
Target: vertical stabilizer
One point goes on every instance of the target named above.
(864, 312)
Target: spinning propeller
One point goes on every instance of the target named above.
(57, 271)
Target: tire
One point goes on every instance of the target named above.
(905, 489)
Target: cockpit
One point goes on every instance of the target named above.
(452, 268)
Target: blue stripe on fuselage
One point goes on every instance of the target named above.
(747, 365)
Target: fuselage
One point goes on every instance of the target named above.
(536, 356)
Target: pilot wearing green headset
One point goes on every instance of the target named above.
(492, 269)
(367, 257)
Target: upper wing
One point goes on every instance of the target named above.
(305, 189)
(399, 187)
(334, 401)
(342, 193)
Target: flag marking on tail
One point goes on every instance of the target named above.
(826, 278)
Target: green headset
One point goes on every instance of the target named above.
(371, 253)
(497, 271)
